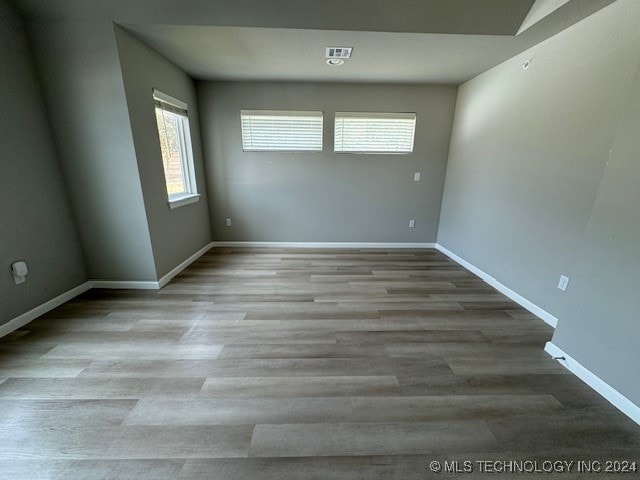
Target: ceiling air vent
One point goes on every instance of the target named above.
(339, 52)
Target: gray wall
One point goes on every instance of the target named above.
(35, 217)
(529, 195)
(323, 196)
(600, 324)
(80, 71)
(175, 234)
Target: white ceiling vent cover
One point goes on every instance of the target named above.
(339, 52)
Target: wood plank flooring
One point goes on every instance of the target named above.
(294, 364)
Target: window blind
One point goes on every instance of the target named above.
(281, 131)
(357, 132)
(168, 103)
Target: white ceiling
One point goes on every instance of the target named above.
(539, 10)
(238, 53)
(478, 17)
(417, 41)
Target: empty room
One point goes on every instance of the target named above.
(297, 239)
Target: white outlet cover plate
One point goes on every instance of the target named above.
(416, 177)
(563, 283)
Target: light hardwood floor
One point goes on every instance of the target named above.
(294, 364)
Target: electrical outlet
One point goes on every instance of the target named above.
(228, 222)
(563, 283)
(412, 223)
(416, 177)
(19, 270)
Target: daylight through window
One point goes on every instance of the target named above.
(175, 144)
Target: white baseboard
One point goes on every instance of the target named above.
(125, 284)
(150, 284)
(327, 244)
(21, 320)
(519, 299)
(27, 317)
(614, 397)
(167, 278)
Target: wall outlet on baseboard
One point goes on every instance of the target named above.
(563, 283)
(228, 222)
(412, 223)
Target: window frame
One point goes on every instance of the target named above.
(374, 115)
(282, 113)
(179, 108)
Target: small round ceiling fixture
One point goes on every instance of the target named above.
(334, 62)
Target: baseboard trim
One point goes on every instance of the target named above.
(150, 284)
(167, 278)
(399, 245)
(613, 396)
(21, 320)
(519, 299)
(125, 284)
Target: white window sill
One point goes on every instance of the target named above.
(183, 200)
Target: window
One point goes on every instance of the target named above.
(281, 131)
(374, 132)
(175, 144)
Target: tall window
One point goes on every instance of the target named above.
(357, 132)
(281, 131)
(175, 143)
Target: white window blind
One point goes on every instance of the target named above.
(357, 132)
(169, 103)
(281, 131)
